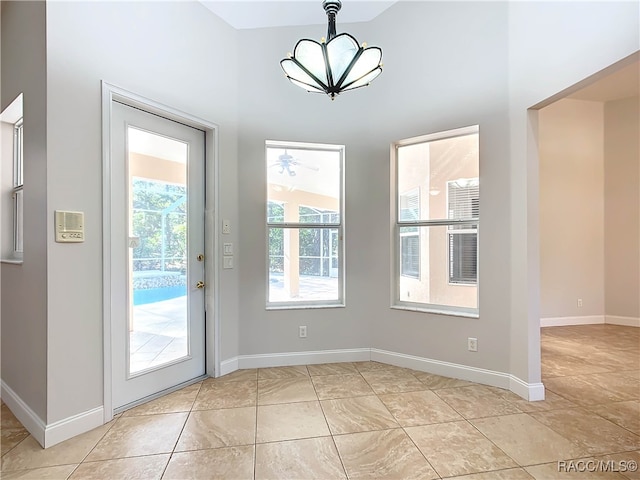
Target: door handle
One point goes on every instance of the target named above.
(200, 284)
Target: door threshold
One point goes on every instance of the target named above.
(162, 393)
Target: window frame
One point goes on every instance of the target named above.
(17, 190)
(339, 226)
(396, 224)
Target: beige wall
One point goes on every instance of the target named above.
(571, 209)
(428, 167)
(154, 168)
(622, 208)
(590, 209)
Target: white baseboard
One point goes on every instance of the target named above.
(66, 428)
(625, 321)
(528, 391)
(532, 392)
(438, 367)
(49, 435)
(304, 358)
(565, 321)
(228, 366)
(27, 417)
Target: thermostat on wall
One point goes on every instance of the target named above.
(69, 227)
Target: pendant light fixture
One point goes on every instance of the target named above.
(336, 64)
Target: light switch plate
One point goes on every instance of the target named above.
(227, 262)
(228, 248)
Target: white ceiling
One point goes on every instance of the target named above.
(243, 14)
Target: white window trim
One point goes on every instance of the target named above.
(395, 225)
(12, 114)
(301, 305)
(18, 189)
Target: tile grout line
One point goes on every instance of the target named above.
(255, 431)
(333, 440)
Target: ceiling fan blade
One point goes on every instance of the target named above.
(309, 167)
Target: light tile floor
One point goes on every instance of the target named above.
(368, 420)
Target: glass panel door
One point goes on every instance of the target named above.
(158, 222)
(157, 283)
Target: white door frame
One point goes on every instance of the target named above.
(112, 93)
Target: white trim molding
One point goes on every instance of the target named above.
(566, 321)
(227, 366)
(111, 93)
(528, 391)
(66, 428)
(28, 418)
(625, 321)
(51, 434)
(304, 358)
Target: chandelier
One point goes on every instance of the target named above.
(336, 64)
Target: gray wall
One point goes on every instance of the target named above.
(622, 207)
(445, 67)
(24, 287)
(178, 54)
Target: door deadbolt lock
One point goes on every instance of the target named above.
(200, 285)
(200, 258)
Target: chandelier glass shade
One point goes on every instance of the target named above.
(334, 65)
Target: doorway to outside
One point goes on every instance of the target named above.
(155, 271)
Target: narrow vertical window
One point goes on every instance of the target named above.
(18, 189)
(305, 223)
(437, 198)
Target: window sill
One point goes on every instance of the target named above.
(12, 261)
(451, 313)
(303, 306)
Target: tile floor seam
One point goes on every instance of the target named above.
(255, 430)
(420, 451)
(114, 421)
(5, 453)
(495, 444)
(615, 423)
(333, 440)
(576, 443)
(450, 406)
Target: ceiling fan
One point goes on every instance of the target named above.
(286, 163)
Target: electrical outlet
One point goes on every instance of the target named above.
(302, 331)
(472, 344)
(226, 226)
(579, 302)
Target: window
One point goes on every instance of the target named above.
(18, 187)
(464, 203)
(11, 182)
(305, 225)
(410, 236)
(436, 193)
